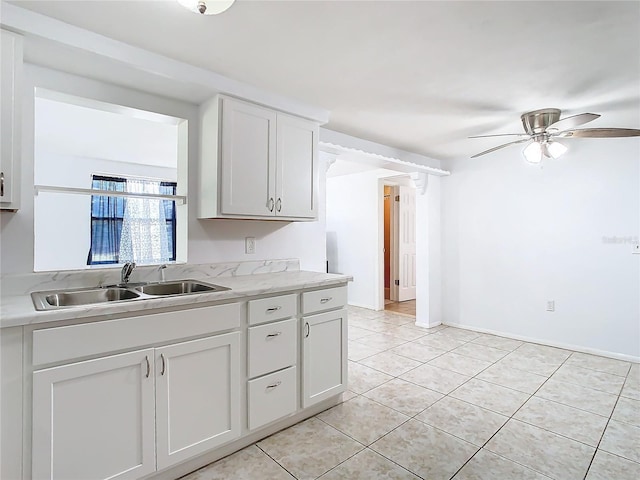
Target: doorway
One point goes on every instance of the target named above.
(399, 233)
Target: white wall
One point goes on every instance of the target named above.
(354, 232)
(429, 285)
(208, 240)
(515, 236)
(72, 143)
(62, 222)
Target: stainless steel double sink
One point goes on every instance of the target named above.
(55, 299)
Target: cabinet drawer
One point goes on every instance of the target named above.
(272, 308)
(326, 299)
(272, 347)
(272, 397)
(75, 341)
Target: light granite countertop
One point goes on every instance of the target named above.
(19, 310)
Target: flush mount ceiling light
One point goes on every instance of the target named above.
(543, 126)
(206, 7)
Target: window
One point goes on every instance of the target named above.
(141, 230)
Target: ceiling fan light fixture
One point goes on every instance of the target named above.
(206, 7)
(555, 149)
(533, 153)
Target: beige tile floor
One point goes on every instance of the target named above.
(446, 403)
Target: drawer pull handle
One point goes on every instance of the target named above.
(326, 299)
(274, 385)
(274, 309)
(279, 205)
(164, 364)
(308, 330)
(146, 357)
(276, 334)
(270, 204)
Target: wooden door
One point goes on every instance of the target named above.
(407, 244)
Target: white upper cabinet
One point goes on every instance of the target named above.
(248, 153)
(296, 161)
(10, 105)
(256, 163)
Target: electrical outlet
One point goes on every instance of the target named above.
(551, 305)
(636, 249)
(250, 245)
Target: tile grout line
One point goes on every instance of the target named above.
(278, 463)
(613, 410)
(376, 440)
(505, 423)
(531, 395)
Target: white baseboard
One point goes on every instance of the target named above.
(368, 307)
(428, 325)
(550, 343)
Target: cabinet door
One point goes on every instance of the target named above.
(10, 105)
(95, 419)
(197, 396)
(324, 356)
(248, 153)
(297, 176)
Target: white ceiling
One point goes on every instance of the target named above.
(420, 75)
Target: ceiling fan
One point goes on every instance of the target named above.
(543, 126)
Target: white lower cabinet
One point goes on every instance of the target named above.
(197, 396)
(95, 419)
(105, 418)
(272, 397)
(178, 395)
(324, 356)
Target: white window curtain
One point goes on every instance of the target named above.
(144, 227)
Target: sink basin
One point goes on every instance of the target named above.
(70, 298)
(183, 287)
(96, 295)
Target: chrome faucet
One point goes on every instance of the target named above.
(162, 269)
(127, 270)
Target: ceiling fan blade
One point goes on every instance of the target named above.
(501, 135)
(599, 133)
(499, 147)
(571, 122)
